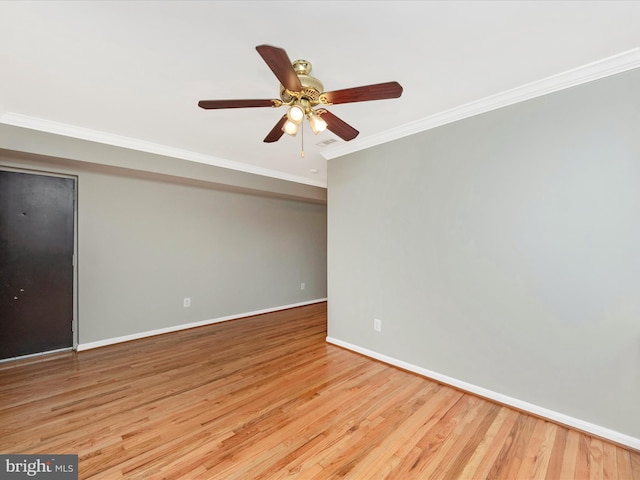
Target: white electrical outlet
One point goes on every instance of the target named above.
(302, 286)
(187, 302)
(377, 324)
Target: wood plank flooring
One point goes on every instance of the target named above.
(267, 398)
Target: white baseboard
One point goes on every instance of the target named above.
(135, 336)
(556, 417)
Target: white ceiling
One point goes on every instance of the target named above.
(131, 73)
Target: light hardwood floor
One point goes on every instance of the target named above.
(266, 398)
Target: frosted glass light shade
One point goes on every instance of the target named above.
(295, 114)
(317, 124)
(290, 128)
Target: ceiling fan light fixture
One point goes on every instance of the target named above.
(290, 128)
(295, 114)
(317, 124)
(301, 92)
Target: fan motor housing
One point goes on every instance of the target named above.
(311, 86)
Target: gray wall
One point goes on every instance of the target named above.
(147, 241)
(502, 250)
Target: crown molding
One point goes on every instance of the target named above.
(619, 63)
(73, 131)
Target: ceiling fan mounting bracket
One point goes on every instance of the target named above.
(323, 99)
(302, 67)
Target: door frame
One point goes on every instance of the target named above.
(75, 321)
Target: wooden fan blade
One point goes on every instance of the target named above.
(275, 133)
(378, 91)
(339, 127)
(280, 65)
(214, 104)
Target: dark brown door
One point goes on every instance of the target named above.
(36, 263)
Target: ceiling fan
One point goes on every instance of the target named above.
(302, 93)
